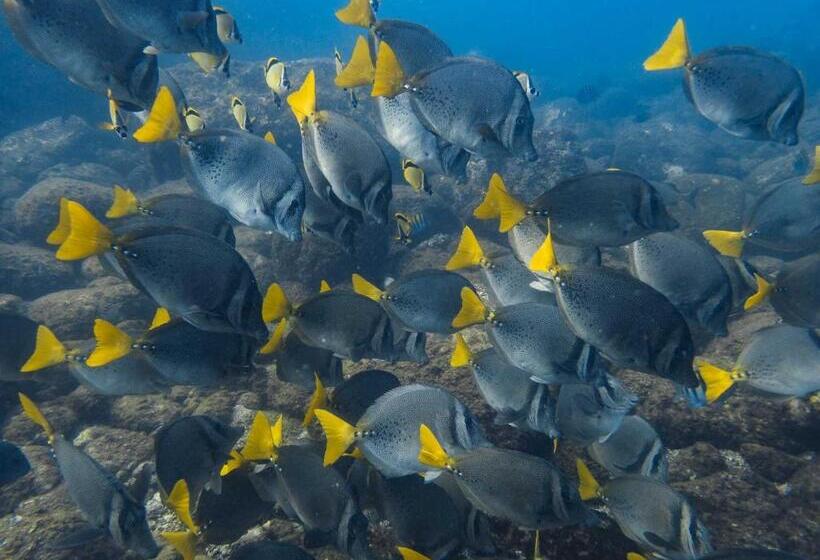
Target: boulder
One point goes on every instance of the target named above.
(31, 272)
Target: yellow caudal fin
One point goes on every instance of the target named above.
(48, 351)
(324, 287)
(764, 288)
(472, 311)
(317, 400)
(179, 500)
(461, 352)
(184, 542)
(234, 462)
(365, 288)
(814, 176)
(673, 53)
(161, 317)
(275, 305)
(468, 253)
(544, 260)
(260, 445)
(112, 344)
(728, 243)
(60, 233)
(276, 433)
(357, 12)
(303, 101)
(340, 435)
(276, 338)
(86, 236)
(35, 415)
(270, 138)
(163, 122)
(717, 380)
(410, 554)
(359, 70)
(125, 203)
(588, 487)
(488, 209)
(510, 210)
(431, 453)
(389, 78)
(635, 556)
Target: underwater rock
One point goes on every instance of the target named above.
(144, 412)
(86, 171)
(30, 272)
(719, 202)
(772, 464)
(116, 449)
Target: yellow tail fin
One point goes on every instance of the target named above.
(461, 353)
(36, 416)
(161, 317)
(357, 12)
(431, 453)
(728, 243)
(270, 138)
(764, 288)
(303, 101)
(673, 53)
(389, 77)
(543, 260)
(275, 340)
(468, 253)
(365, 288)
(184, 542)
(588, 487)
(324, 287)
(488, 209)
(340, 435)
(179, 500)
(317, 400)
(86, 237)
(125, 203)
(112, 344)
(717, 380)
(275, 306)
(48, 351)
(410, 554)
(60, 233)
(510, 210)
(635, 556)
(163, 122)
(234, 462)
(359, 70)
(472, 311)
(814, 176)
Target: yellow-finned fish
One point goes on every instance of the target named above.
(193, 120)
(117, 120)
(340, 66)
(408, 225)
(226, 26)
(276, 76)
(211, 64)
(240, 113)
(415, 177)
(526, 83)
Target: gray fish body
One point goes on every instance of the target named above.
(75, 37)
(534, 337)
(179, 26)
(13, 464)
(254, 180)
(354, 395)
(783, 361)
(392, 424)
(747, 93)
(585, 414)
(350, 162)
(415, 46)
(527, 490)
(270, 550)
(509, 282)
(656, 517)
(741, 278)
(297, 363)
(193, 449)
(796, 293)
(130, 375)
(785, 218)
(103, 500)
(634, 448)
(16, 345)
(196, 277)
(604, 209)
(474, 104)
(688, 274)
(425, 300)
(324, 219)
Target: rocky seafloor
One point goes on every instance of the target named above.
(749, 466)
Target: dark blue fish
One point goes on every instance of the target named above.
(13, 464)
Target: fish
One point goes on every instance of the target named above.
(339, 62)
(276, 76)
(75, 37)
(814, 175)
(211, 63)
(746, 92)
(794, 293)
(13, 463)
(508, 281)
(226, 516)
(351, 398)
(526, 84)
(749, 554)
(601, 209)
(688, 274)
(408, 226)
(526, 490)
(414, 175)
(387, 433)
(193, 120)
(780, 361)
(348, 158)
(784, 219)
(649, 513)
(116, 123)
(297, 363)
(326, 220)
(194, 276)
(174, 210)
(268, 549)
(254, 180)
(107, 505)
(422, 301)
(130, 375)
(16, 345)
(240, 114)
(170, 26)
(533, 337)
(516, 399)
(585, 414)
(193, 449)
(226, 26)
(634, 448)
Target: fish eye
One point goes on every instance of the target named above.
(519, 121)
